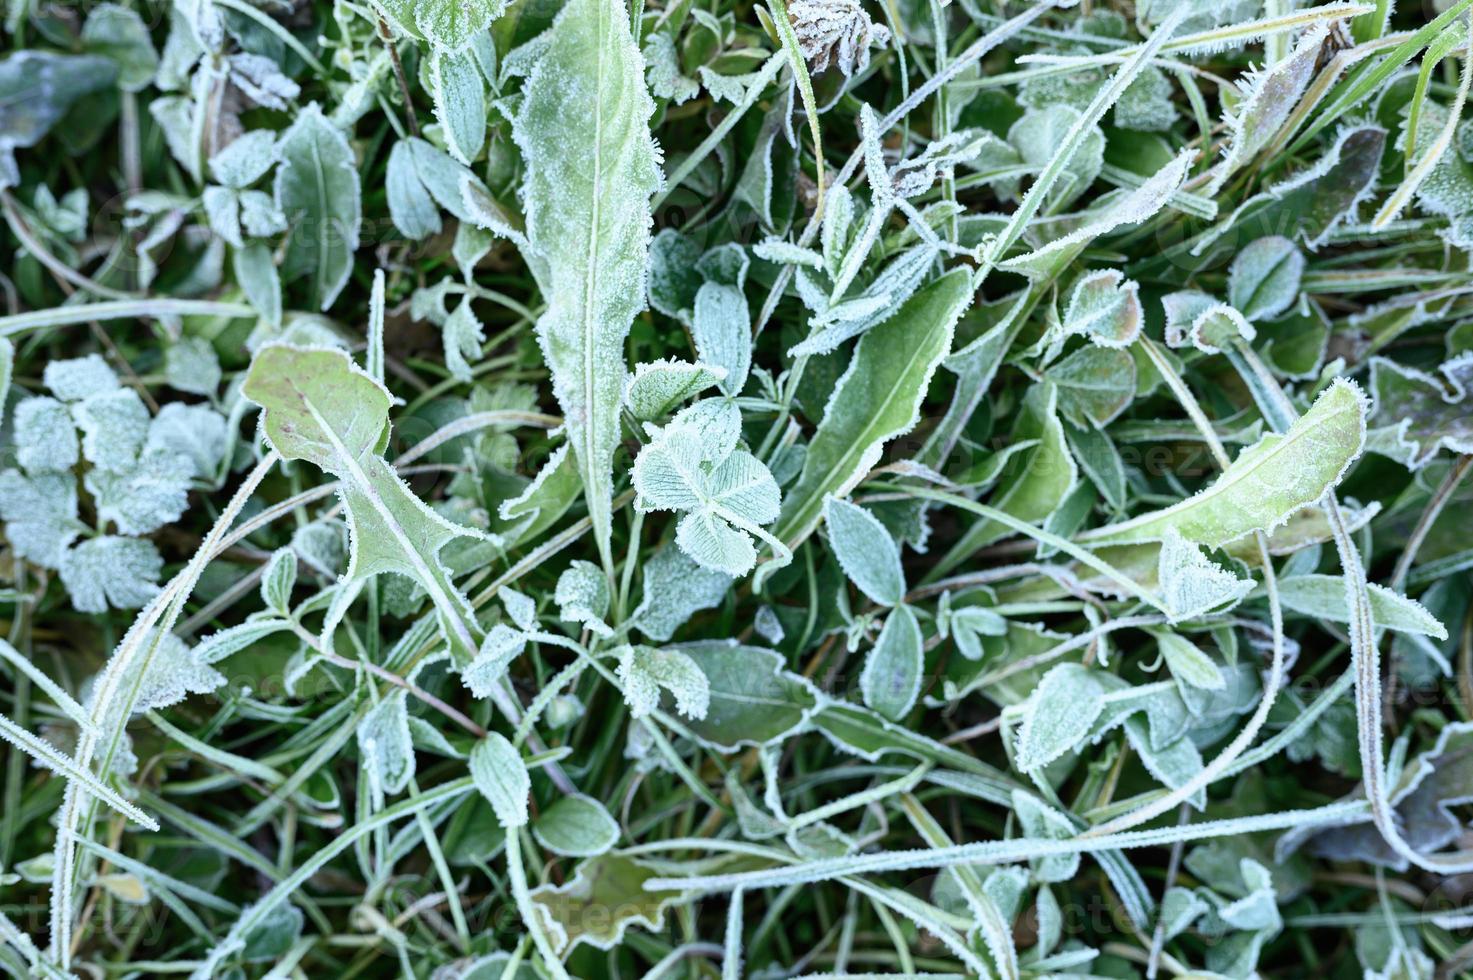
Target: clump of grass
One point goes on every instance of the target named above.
(825, 489)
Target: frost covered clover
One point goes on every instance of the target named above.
(139, 475)
(725, 492)
(837, 32)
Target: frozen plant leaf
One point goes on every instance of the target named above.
(114, 427)
(591, 168)
(245, 160)
(75, 379)
(459, 91)
(865, 550)
(121, 573)
(1095, 383)
(1105, 307)
(644, 671)
(322, 408)
(583, 596)
(195, 431)
(192, 365)
(891, 679)
(662, 71)
(40, 514)
(1266, 100)
(1059, 715)
(835, 32)
(1192, 584)
(120, 34)
(45, 439)
(278, 580)
(385, 745)
(655, 388)
(876, 399)
(447, 24)
(317, 190)
(1424, 413)
(1323, 597)
(1218, 328)
(154, 491)
(501, 646)
(725, 496)
(463, 337)
(1037, 136)
(722, 329)
(576, 826)
(501, 776)
(1146, 103)
(676, 588)
(1188, 664)
(1264, 279)
(1266, 484)
(173, 672)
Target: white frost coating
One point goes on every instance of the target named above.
(866, 552)
(837, 32)
(1105, 307)
(1268, 99)
(592, 167)
(1191, 583)
(1265, 276)
(1132, 208)
(645, 670)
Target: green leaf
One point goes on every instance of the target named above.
(502, 778)
(753, 701)
(1266, 484)
(865, 550)
(603, 899)
(121, 573)
(45, 438)
(877, 399)
(591, 168)
(644, 671)
(891, 679)
(1189, 665)
(317, 190)
(1323, 597)
(725, 495)
(447, 24)
(40, 514)
(1264, 279)
(192, 365)
(576, 826)
(322, 408)
(385, 745)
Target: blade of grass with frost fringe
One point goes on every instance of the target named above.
(1002, 851)
(164, 611)
(591, 168)
(1434, 153)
